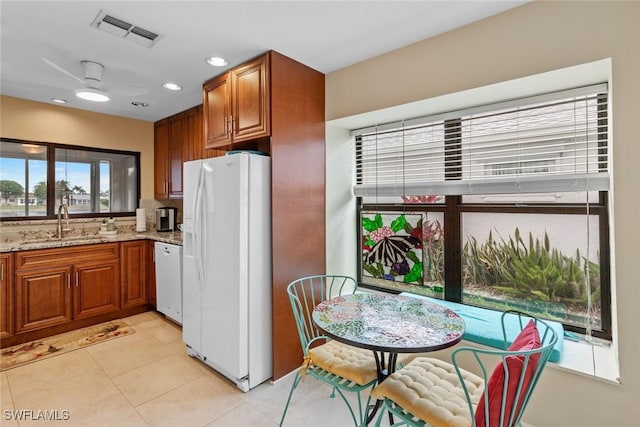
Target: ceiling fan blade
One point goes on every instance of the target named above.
(127, 89)
(62, 70)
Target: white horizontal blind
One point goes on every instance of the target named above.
(554, 143)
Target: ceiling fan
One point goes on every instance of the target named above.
(94, 89)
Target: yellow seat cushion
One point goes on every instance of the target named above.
(430, 389)
(352, 363)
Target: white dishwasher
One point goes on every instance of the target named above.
(168, 259)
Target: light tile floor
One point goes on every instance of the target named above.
(147, 379)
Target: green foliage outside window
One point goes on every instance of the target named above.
(532, 271)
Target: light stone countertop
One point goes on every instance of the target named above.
(18, 245)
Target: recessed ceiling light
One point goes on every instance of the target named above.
(139, 104)
(216, 61)
(59, 100)
(91, 94)
(172, 86)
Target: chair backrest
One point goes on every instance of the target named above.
(307, 292)
(510, 384)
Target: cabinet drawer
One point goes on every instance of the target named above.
(67, 255)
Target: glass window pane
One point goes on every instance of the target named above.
(73, 181)
(95, 181)
(23, 183)
(105, 179)
(403, 251)
(536, 263)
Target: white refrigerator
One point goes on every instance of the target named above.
(226, 316)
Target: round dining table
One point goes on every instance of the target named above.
(388, 325)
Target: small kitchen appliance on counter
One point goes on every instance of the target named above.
(166, 219)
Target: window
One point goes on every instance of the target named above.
(36, 178)
(501, 206)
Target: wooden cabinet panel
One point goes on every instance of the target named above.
(6, 295)
(151, 274)
(193, 143)
(297, 194)
(133, 262)
(43, 298)
(178, 139)
(161, 156)
(97, 289)
(217, 111)
(250, 100)
(64, 256)
(176, 143)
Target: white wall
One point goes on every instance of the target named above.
(533, 39)
(340, 204)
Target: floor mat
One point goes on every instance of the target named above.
(21, 354)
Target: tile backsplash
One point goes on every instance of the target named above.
(39, 230)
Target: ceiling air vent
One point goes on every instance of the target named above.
(123, 29)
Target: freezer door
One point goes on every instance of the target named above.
(191, 286)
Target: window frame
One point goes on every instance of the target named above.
(51, 161)
(453, 209)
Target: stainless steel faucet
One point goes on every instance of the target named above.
(61, 208)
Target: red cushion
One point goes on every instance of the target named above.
(528, 339)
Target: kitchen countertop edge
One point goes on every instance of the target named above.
(174, 238)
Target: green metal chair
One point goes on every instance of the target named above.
(431, 392)
(343, 367)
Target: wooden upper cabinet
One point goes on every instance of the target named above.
(193, 143)
(250, 100)
(160, 156)
(175, 158)
(217, 111)
(178, 139)
(6, 295)
(236, 105)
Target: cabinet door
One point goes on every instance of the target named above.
(96, 289)
(250, 100)
(133, 268)
(43, 298)
(217, 112)
(193, 138)
(161, 162)
(175, 155)
(6, 295)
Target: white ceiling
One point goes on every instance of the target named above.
(325, 35)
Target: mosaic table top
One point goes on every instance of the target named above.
(385, 322)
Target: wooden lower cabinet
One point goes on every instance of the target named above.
(6, 295)
(133, 259)
(97, 289)
(43, 298)
(49, 291)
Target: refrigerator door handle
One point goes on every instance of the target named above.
(197, 230)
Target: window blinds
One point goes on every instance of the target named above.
(550, 143)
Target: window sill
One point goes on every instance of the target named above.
(597, 360)
(594, 360)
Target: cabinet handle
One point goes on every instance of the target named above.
(76, 279)
(233, 125)
(68, 281)
(2, 273)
